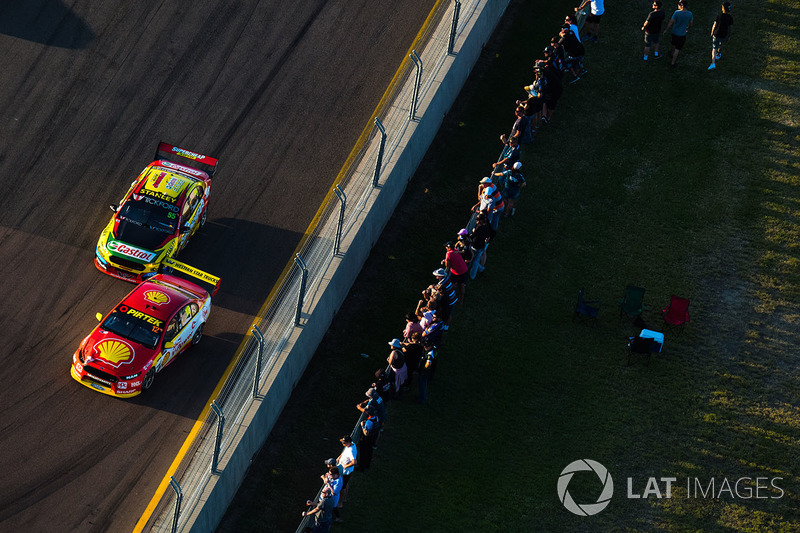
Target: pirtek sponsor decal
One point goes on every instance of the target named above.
(138, 314)
(130, 251)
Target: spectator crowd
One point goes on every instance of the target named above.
(412, 357)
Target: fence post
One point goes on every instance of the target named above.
(257, 377)
(218, 441)
(417, 82)
(381, 148)
(340, 227)
(456, 11)
(178, 499)
(299, 262)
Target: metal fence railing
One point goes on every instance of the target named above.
(580, 17)
(339, 216)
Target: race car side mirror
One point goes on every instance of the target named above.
(168, 345)
(114, 207)
(99, 317)
(185, 228)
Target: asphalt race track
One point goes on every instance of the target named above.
(278, 91)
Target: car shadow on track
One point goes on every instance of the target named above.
(52, 24)
(248, 257)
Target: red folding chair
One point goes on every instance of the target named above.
(676, 314)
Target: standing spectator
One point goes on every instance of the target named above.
(432, 336)
(457, 267)
(322, 512)
(375, 401)
(498, 207)
(347, 460)
(412, 326)
(510, 153)
(398, 364)
(680, 23)
(513, 182)
(333, 479)
(413, 352)
(574, 51)
(520, 124)
(652, 29)
(482, 233)
(593, 20)
(720, 33)
(447, 288)
(553, 89)
(369, 428)
(572, 22)
(425, 369)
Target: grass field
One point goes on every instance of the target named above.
(678, 180)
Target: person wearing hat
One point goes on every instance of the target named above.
(375, 401)
(720, 33)
(332, 478)
(448, 290)
(322, 512)
(398, 364)
(482, 234)
(652, 29)
(457, 267)
(370, 426)
(347, 460)
(485, 205)
(679, 23)
(513, 181)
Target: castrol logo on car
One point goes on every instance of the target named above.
(131, 251)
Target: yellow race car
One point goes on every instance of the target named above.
(158, 215)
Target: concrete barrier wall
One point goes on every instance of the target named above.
(450, 75)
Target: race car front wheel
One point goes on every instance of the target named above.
(147, 382)
(198, 335)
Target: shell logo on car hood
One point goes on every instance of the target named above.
(156, 297)
(114, 352)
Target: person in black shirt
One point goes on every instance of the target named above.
(574, 51)
(720, 33)
(652, 29)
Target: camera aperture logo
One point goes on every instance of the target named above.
(585, 509)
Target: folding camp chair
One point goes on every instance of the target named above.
(631, 304)
(676, 314)
(585, 311)
(645, 343)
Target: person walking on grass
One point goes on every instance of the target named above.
(652, 30)
(720, 33)
(680, 23)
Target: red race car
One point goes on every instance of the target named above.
(145, 332)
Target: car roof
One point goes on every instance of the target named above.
(164, 184)
(158, 297)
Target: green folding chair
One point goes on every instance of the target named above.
(632, 303)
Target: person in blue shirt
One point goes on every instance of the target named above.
(680, 23)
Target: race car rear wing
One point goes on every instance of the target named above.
(194, 272)
(182, 156)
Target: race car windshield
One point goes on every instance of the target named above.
(132, 328)
(150, 216)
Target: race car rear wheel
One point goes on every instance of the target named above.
(198, 335)
(147, 382)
